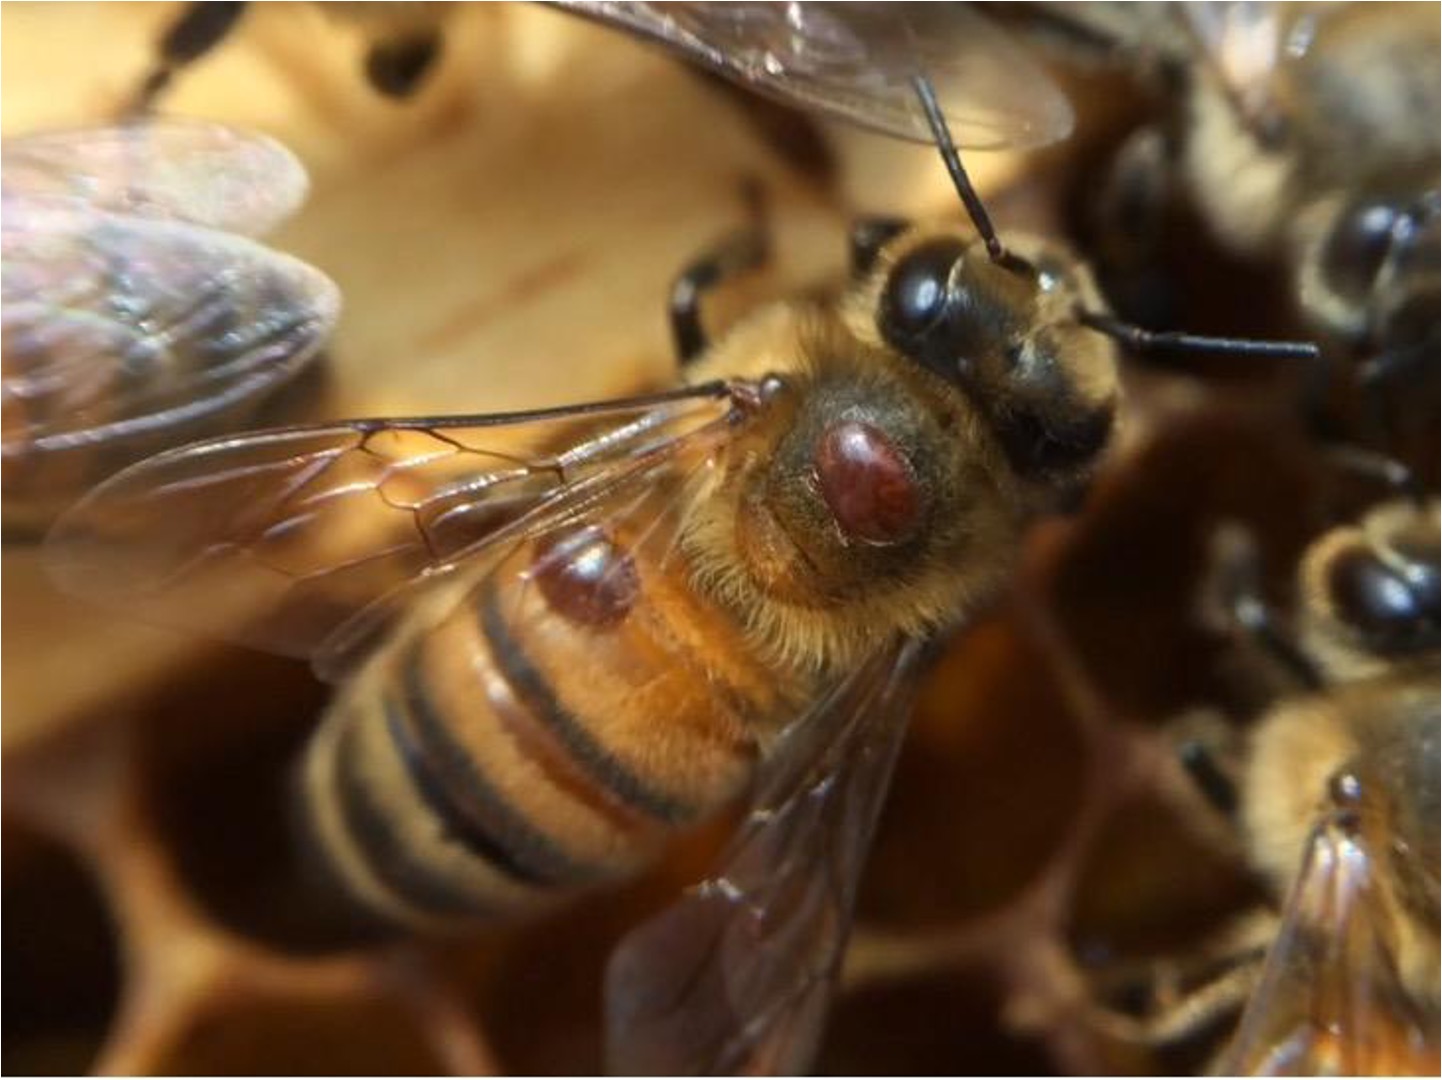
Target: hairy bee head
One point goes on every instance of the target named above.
(1368, 266)
(1371, 591)
(1006, 335)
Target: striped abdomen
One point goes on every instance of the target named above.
(544, 732)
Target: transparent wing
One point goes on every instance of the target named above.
(855, 61)
(187, 170)
(1330, 1001)
(1243, 43)
(736, 977)
(303, 541)
(116, 328)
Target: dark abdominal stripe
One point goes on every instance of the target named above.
(387, 853)
(533, 690)
(474, 814)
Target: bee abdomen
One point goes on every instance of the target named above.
(507, 754)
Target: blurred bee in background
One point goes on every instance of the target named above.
(1336, 796)
(560, 637)
(745, 42)
(404, 43)
(137, 313)
(1304, 133)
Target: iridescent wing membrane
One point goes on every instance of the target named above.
(135, 314)
(306, 541)
(736, 978)
(1243, 44)
(1330, 1001)
(856, 62)
(167, 168)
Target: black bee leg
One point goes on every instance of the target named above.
(1207, 750)
(198, 29)
(397, 67)
(746, 249)
(868, 236)
(1212, 780)
(1238, 588)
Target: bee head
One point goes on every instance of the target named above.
(1019, 333)
(1374, 589)
(1369, 267)
(1004, 333)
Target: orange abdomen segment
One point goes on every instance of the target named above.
(547, 731)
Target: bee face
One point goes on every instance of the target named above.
(1372, 591)
(1005, 334)
(1367, 266)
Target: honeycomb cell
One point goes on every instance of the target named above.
(344, 1034)
(62, 962)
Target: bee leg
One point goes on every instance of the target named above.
(198, 29)
(1191, 993)
(868, 236)
(746, 249)
(397, 67)
(1190, 1014)
(1207, 749)
(1236, 582)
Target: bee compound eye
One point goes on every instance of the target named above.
(1358, 246)
(867, 484)
(915, 296)
(1391, 611)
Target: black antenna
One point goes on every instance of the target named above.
(942, 134)
(1134, 337)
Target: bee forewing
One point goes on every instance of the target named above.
(161, 168)
(1243, 42)
(735, 978)
(120, 330)
(855, 61)
(1330, 1001)
(297, 541)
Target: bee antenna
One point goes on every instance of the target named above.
(1371, 465)
(974, 208)
(1135, 337)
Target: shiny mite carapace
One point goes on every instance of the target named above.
(137, 313)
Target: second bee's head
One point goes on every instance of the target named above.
(1370, 590)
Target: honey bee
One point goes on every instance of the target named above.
(1336, 793)
(559, 637)
(405, 42)
(1305, 133)
(137, 314)
(1316, 133)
